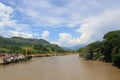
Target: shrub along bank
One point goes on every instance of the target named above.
(107, 50)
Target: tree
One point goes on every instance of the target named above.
(112, 44)
(92, 51)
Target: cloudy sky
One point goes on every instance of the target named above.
(65, 22)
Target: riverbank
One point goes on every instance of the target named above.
(6, 58)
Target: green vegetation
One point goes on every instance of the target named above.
(107, 50)
(34, 46)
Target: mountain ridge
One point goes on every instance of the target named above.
(18, 44)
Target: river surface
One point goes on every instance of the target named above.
(69, 67)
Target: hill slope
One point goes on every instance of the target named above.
(19, 44)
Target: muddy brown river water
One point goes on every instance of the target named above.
(69, 67)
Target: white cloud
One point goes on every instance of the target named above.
(67, 13)
(44, 13)
(45, 34)
(7, 21)
(67, 40)
(5, 13)
(65, 36)
(19, 34)
(92, 28)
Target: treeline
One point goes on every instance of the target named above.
(107, 50)
(34, 46)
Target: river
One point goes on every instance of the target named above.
(69, 67)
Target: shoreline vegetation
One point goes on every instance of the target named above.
(107, 50)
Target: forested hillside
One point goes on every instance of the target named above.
(19, 44)
(107, 50)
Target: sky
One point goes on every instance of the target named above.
(67, 23)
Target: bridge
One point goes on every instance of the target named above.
(41, 55)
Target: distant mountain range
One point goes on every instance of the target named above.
(19, 44)
(74, 47)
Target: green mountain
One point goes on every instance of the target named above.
(35, 46)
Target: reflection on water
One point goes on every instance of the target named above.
(69, 67)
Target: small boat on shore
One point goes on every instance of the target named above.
(6, 58)
(14, 59)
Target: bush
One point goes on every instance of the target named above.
(116, 60)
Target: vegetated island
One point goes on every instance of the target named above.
(107, 50)
(14, 49)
